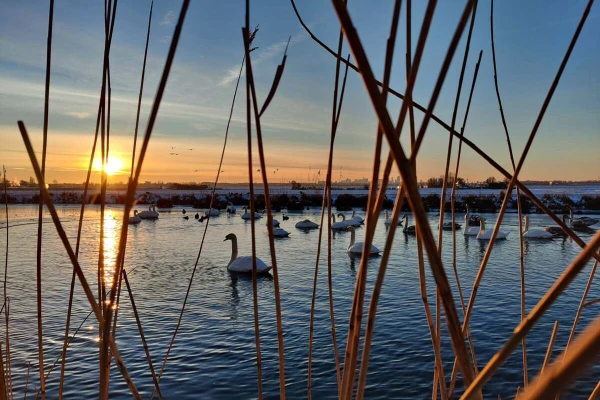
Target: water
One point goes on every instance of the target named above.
(214, 354)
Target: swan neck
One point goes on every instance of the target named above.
(234, 250)
(333, 216)
(481, 225)
(526, 223)
(352, 238)
(353, 213)
(405, 229)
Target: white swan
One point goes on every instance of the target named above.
(581, 221)
(307, 224)
(150, 214)
(135, 219)
(246, 215)
(535, 233)
(213, 213)
(387, 221)
(339, 226)
(487, 235)
(349, 222)
(280, 233)
(357, 218)
(243, 264)
(408, 230)
(357, 248)
(470, 230)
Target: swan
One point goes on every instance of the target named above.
(246, 215)
(197, 216)
(409, 230)
(473, 219)
(243, 264)
(356, 218)
(231, 208)
(280, 233)
(388, 221)
(135, 219)
(486, 235)
(357, 248)
(339, 226)
(150, 214)
(307, 224)
(581, 221)
(557, 230)
(470, 230)
(535, 233)
(213, 213)
(285, 217)
(349, 222)
(275, 223)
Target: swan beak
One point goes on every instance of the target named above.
(225, 239)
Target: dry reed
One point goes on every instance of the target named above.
(550, 347)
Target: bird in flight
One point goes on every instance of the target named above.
(174, 154)
(172, 147)
(190, 149)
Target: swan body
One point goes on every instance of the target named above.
(341, 225)
(279, 233)
(213, 213)
(557, 230)
(408, 230)
(150, 214)
(448, 226)
(581, 221)
(135, 219)
(275, 223)
(231, 208)
(243, 264)
(357, 248)
(487, 235)
(470, 230)
(535, 233)
(246, 215)
(307, 224)
(388, 221)
(356, 218)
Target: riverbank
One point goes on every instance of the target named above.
(478, 200)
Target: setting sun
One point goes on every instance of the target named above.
(112, 167)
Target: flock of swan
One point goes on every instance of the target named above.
(473, 226)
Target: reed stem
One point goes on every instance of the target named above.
(550, 347)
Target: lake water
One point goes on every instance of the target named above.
(214, 353)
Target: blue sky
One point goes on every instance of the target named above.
(531, 39)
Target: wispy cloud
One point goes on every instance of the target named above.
(169, 18)
(78, 115)
(165, 39)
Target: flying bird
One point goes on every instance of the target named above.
(190, 149)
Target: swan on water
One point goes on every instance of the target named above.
(535, 233)
(280, 233)
(388, 221)
(470, 230)
(285, 217)
(408, 230)
(473, 220)
(307, 224)
(357, 218)
(243, 264)
(150, 214)
(246, 215)
(339, 226)
(135, 219)
(448, 226)
(213, 213)
(275, 223)
(581, 222)
(231, 208)
(349, 222)
(487, 235)
(357, 248)
(557, 230)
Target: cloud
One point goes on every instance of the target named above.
(78, 115)
(168, 18)
(165, 39)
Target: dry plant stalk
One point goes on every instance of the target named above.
(550, 347)
(559, 374)
(582, 304)
(596, 393)
(6, 298)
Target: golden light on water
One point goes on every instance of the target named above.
(112, 167)
(111, 234)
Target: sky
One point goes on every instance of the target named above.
(530, 39)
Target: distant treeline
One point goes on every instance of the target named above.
(477, 202)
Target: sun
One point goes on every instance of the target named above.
(112, 167)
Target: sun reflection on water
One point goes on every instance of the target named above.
(111, 234)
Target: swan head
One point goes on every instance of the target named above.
(231, 236)
(350, 229)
